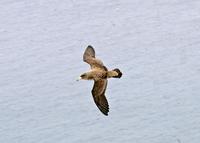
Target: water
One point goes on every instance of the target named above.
(154, 43)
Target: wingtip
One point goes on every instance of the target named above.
(103, 110)
(105, 113)
(89, 46)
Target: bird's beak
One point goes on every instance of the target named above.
(79, 78)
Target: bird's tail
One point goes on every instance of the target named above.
(116, 73)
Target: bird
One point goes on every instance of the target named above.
(99, 74)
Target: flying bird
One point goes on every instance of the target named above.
(99, 73)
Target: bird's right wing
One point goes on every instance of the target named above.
(98, 93)
(89, 57)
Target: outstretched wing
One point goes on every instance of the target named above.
(89, 57)
(98, 93)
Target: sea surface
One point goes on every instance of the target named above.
(156, 44)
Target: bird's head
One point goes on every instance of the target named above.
(83, 76)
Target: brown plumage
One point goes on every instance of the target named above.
(99, 74)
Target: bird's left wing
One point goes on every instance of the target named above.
(98, 93)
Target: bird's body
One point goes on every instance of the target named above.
(99, 73)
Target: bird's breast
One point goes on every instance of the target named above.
(99, 74)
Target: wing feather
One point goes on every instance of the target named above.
(99, 97)
(89, 57)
